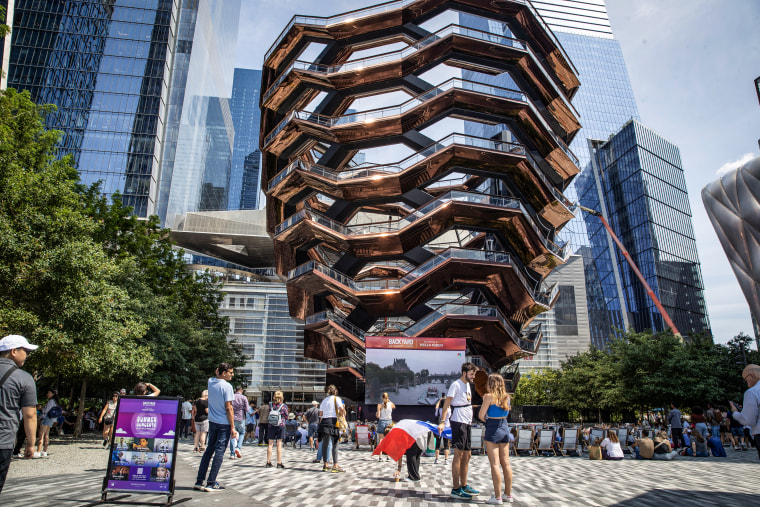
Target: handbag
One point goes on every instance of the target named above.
(595, 452)
(340, 423)
(108, 421)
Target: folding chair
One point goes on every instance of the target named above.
(570, 441)
(476, 439)
(545, 441)
(622, 434)
(363, 437)
(291, 435)
(524, 440)
(596, 433)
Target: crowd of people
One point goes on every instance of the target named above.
(223, 419)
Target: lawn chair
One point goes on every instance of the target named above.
(524, 440)
(363, 437)
(622, 434)
(596, 433)
(291, 435)
(545, 441)
(476, 439)
(570, 442)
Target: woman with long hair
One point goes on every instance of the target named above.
(329, 410)
(48, 419)
(494, 411)
(611, 446)
(106, 417)
(278, 414)
(384, 419)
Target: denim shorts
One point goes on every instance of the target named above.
(497, 431)
(49, 421)
(382, 424)
(737, 432)
(313, 429)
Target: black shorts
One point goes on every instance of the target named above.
(250, 428)
(275, 432)
(442, 444)
(460, 436)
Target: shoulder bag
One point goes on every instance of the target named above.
(340, 423)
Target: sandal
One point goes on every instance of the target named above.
(325, 468)
(336, 469)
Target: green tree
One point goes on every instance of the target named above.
(537, 388)
(58, 286)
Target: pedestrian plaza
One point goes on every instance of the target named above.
(367, 482)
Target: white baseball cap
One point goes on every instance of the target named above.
(15, 341)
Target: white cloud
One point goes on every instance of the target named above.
(730, 166)
(120, 432)
(170, 433)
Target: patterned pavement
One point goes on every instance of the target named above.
(367, 482)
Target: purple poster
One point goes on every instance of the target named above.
(143, 445)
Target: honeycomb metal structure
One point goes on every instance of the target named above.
(454, 240)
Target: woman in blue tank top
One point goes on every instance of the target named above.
(494, 411)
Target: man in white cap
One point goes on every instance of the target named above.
(18, 395)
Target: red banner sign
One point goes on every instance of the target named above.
(415, 343)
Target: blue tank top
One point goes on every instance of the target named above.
(496, 411)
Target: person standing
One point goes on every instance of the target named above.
(141, 389)
(459, 398)
(278, 414)
(187, 418)
(263, 423)
(494, 411)
(329, 410)
(200, 418)
(442, 442)
(239, 408)
(676, 428)
(221, 426)
(250, 424)
(50, 414)
(384, 419)
(107, 415)
(750, 412)
(18, 395)
(312, 418)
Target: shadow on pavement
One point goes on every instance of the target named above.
(661, 497)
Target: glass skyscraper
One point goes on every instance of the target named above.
(245, 155)
(640, 176)
(105, 65)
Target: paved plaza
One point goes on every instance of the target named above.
(367, 482)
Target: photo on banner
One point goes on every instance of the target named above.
(143, 446)
(412, 370)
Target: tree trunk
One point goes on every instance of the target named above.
(80, 409)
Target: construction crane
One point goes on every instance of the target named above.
(635, 269)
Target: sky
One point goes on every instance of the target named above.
(692, 64)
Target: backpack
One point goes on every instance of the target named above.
(274, 418)
(55, 412)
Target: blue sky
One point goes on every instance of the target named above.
(692, 64)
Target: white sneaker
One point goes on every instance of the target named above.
(445, 462)
(435, 462)
(36, 455)
(43, 454)
(494, 501)
(507, 499)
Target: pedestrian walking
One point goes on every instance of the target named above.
(200, 417)
(384, 416)
(329, 410)
(494, 411)
(459, 398)
(107, 415)
(750, 412)
(18, 394)
(263, 423)
(221, 426)
(239, 409)
(187, 418)
(312, 419)
(278, 414)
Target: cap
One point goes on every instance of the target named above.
(15, 341)
(315, 403)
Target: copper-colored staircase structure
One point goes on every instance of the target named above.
(452, 240)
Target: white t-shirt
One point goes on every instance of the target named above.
(328, 406)
(187, 410)
(613, 449)
(461, 402)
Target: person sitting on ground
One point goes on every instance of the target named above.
(611, 449)
(716, 446)
(644, 446)
(698, 444)
(662, 448)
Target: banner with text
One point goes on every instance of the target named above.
(412, 370)
(144, 445)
